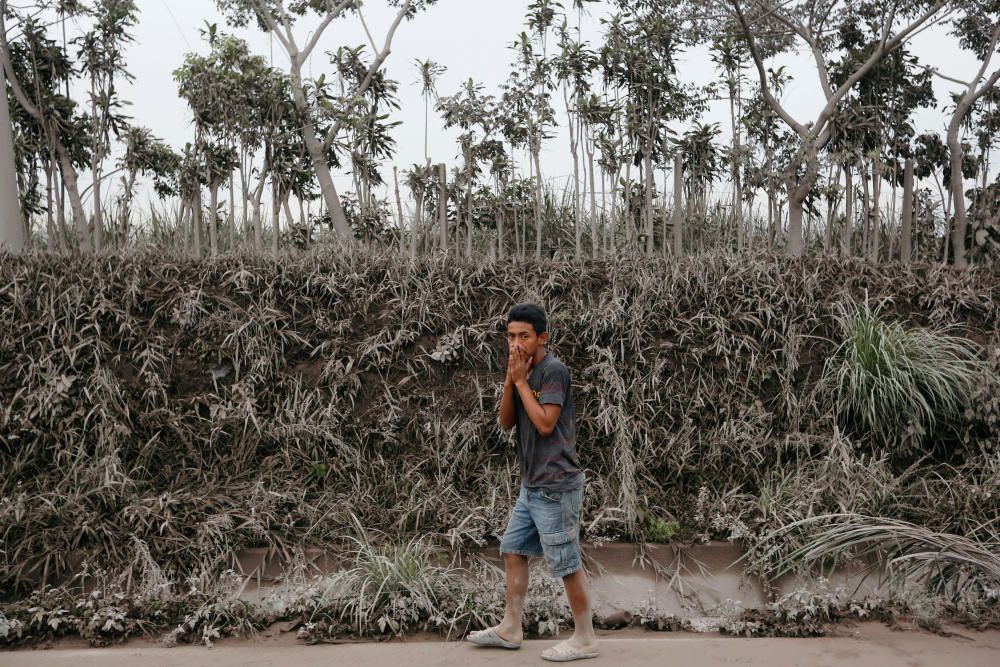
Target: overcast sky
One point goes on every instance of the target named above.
(471, 38)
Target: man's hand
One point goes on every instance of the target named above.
(518, 365)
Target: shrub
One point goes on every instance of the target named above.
(896, 384)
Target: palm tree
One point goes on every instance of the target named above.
(429, 72)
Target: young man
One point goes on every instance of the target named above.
(545, 520)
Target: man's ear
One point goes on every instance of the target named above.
(544, 337)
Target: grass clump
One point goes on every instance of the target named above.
(657, 530)
(955, 567)
(897, 384)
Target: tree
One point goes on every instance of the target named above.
(278, 18)
(470, 109)
(978, 30)
(12, 233)
(102, 55)
(639, 59)
(144, 155)
(573, 68)
(527, 112)
(226, 91)
(429, 72)
(36, 68)
(769, 27)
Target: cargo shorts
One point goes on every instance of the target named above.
(546, 523)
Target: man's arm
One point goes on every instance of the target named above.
(544, 417)
(508, 412)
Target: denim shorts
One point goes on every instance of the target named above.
(546, 523)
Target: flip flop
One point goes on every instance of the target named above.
(489, 637)
(563, 652)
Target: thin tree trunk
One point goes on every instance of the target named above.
(197, 223)
(595, 236)
(876, 233)
(275, 216)
(678, 216)
(50, 227)
(501, 251)
(629, 231)
(906, 232)
(289, 218)
(648, 206)
(468, 202)
(232, 212)
(98, 218)
(538, 202)
(443, 206)
(213, 219)
(416, 229)
(865, 215)
(399, 212)
(12, 237)
(607, 221)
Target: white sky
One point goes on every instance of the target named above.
(471, 38)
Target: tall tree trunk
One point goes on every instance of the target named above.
(275, 217)
(627, 217)
(607, 221)
(196, 223)
(317, 156)
(95, 168)
(258, 232)
(213, 219)
(798, 190)
(772, 222)
(678, 214)
(75, 201)
(648, 207)
(182, 225)
(289, 218)
(232, 211)
(468, 202)
(595, 235)
(876, 233)
(399, 213)
(443, 206)
(50, 227)
(539, 200)
(244, 203)
(12, 237)
(906, 233)
(501, 251)
(972, 93)
(417, 228)
(865, 215)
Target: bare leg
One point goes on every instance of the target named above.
(516, 569)
(578, 591)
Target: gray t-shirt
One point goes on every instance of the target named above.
(549, 461)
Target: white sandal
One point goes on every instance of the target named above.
(489, 637)
(564, 652)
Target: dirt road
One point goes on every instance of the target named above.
(868, 645)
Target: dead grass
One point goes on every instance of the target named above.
(152, 404)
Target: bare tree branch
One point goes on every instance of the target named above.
(765, 86)
(372, 70)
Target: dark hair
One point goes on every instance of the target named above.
(530, 313)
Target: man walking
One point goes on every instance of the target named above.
(545, 520)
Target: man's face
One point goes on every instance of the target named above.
(522, 335)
